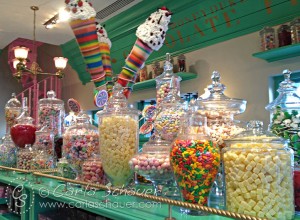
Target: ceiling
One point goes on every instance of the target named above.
(16, 20)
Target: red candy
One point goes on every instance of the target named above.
(23, 134)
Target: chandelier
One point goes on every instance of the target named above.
(21, 54)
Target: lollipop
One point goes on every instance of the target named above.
(74, 105)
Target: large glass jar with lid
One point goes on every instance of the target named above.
(44, 141)
(51, 113)
(166, 80)
(195, 161)
(285, 114)
(80, 141)
(169, 115)
(8, 152)
(258, 169)
(220, 111)
(119, 139)
(23, 132)
(295, 30)
(13, 110)
(153, 162)
(267, 38)
(284, 35)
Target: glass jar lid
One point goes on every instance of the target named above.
(168, 72)
(13, 102)
(24, 117)
(156, 145)
(51, 99)
(287, 98)
(256, 134)
(218, 102)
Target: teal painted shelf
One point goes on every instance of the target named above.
(280, 53)
(151, 82)
(9, 216)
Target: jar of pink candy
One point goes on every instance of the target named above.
(166, 80)
(153, 162)
(80, 141)
(92, 171)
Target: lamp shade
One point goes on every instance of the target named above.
(60, 62)
(16, 61)
(21, 52)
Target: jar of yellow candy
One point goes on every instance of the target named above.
(258, 170)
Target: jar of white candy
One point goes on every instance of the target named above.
(166, 80)
(220, 111)
(258, 170)
(118, 137)
(153, 162)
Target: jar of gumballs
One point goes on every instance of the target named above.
(166, 80)
(25, 156)
(267, 38)
(23, 132)
(80, 141)
(258, 170)
(195, 161)
(153, 162)
(119, 139)
(13, 110)
(51, 113)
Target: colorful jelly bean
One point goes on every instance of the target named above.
(195, 164)
(41, 164)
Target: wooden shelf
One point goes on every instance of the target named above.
(151, 82)
(279, 53)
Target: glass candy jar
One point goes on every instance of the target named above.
(166, 80)
(267, 38)
(12, 112)
(170, 112)
(285, 114)
(92, 170)
(220, 111)
(64, 169)
(195, 161)
(23, 132)
(295, 30)
(25, 156)
(258, 169)
(119, 139)
(41, 161)
(80, 141)
(44, 140)
(284, 35)
(8, 152)
(153, 162)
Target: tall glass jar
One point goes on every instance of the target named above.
(220, 111)
(295, 30)
(80, 141)
(119, 139)
(166, 80)
(195, 161)
(8, 152)
(44, 141)
(41, 161)
(25, 156)
(51, 113)
(13, 110)
(285, 114)
(23, 132)
(153, 162)
(284, 35)
(92, 170)
(258, 170)
(267, 38)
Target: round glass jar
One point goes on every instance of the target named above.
(295, 30)
(64, 169)
(267, 38)
(42, 161)
(23, 132)
(220, 111)
(285, 114)
(153, 162)
(8, 152)
(284, 35)
(44, 141)
(258, 170)
(80, 141)
(25, 156)
(119, 137)
(166, 80)
(13, 110)
(195, 161)
(169, 116)
(92, 170)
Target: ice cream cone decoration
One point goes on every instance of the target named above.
(105, 45)
(84, 27)
(150, 36)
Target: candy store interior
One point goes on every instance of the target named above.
(135, 109)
